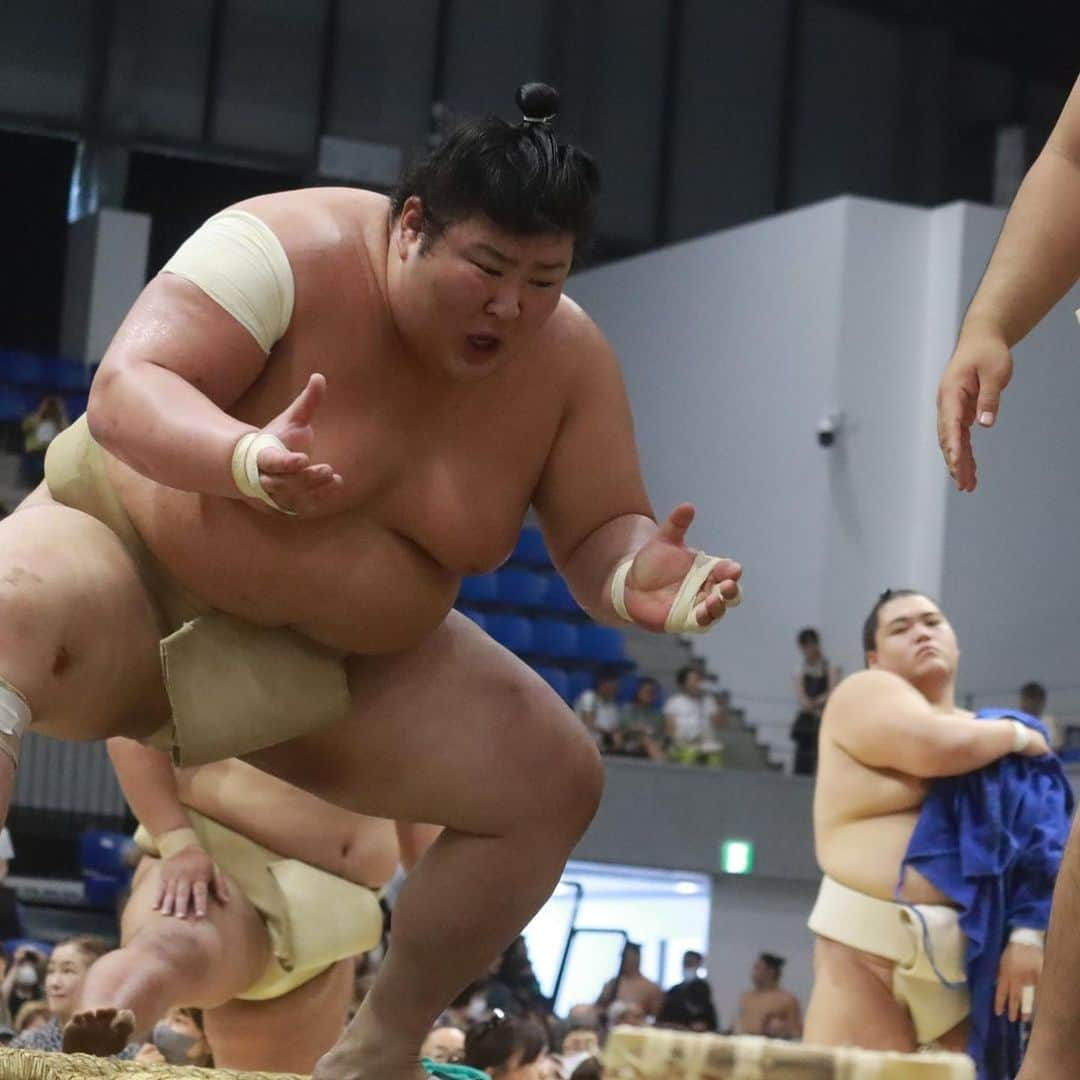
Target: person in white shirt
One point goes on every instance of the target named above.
(599, 711)
(691, 717)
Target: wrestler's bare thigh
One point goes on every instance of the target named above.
(455, 732)
(286, 1034)
(852, 1003)
(222, 954)
(78, 632)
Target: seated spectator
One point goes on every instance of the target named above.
(630, 987)
(40, 427)
(10, 917)
(64, 976)
(691, 719)
(641, 724)
(769, 1009)
(444, 1044)
(1033, 701)
(689, 1004)
(814, 681)
(599, 712)
(506, 1047)
(25, 979)
(178, 1039)
(584, 1015)
(580, 1040)
(32, 1015)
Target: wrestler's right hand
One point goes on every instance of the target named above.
(189, 878)
(970, 390)
(288, 475)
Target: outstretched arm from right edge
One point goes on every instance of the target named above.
(1037, 257)
(885, 723)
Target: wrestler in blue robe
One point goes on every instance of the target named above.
(992, 840)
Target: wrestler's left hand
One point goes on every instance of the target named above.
(288, 476)
(659, 568)
(1021, 965)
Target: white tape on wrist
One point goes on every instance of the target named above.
(176, 840)
(618, 589)
(1021, 737)
(245, 466)
(1024, 935)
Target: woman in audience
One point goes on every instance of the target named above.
(506, 1047)
(64, 977)
(24, 979)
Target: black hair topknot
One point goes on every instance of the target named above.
(538, 102)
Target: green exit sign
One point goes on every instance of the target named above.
(737, 856)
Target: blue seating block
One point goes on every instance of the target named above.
(555, 638)
(520, 588)
(478, 588)
(105, 871)
(75, 405)
(514, 632)
(580, 681)
(67, 376)
(558, 596)
(602, 644)
(530, 550)
(22, 369)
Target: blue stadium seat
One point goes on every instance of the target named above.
(479, 587)
(627, 688)
(555, 638)
(530, 550)
(580, 681)
(12, 945)
(520, 588)
(514, 632)
(477, 617)
(68, 376)
(558, 597)
(75, 405)
(104, 870)
(602, 644)
(22, 369)
(12, 405)
(556, 678)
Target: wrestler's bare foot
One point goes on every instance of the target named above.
(362, 1053)
(102, 1032)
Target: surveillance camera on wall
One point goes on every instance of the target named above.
(829, 428)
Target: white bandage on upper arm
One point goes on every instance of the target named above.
(240, 264)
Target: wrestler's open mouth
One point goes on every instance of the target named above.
(483, 342)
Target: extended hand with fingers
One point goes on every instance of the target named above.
(656, 577)
(970, 391)
(288, 476)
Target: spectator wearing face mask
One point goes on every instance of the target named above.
(24, 980)
(177, 1039)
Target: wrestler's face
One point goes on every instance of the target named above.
(467, 301)
(914, 640)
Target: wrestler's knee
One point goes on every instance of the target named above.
(173, 949)
(563, 756)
